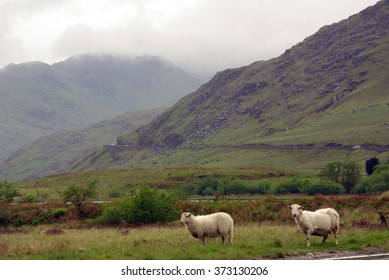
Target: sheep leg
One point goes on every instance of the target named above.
(308, 238)
(336, 235)
(202, 240)
(226, 238)
(324, 239)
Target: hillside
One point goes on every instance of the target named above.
(331, 90)
(58, 152)
(38, 99)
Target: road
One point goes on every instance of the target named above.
(384, 256)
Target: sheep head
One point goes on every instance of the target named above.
(186, 217)
(296, 210)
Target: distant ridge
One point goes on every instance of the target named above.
(37, 99)
(60, 151)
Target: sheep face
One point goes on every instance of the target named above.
(186, 217)
(296, 210)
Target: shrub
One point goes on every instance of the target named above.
(286, 186)
(185, 191)
(116, 212)
(153, 206)
(29, 198)
(114, 193)
(8, 192)
(239, 186)
(147, 206)
(208, 191)
(236, 186)
(314, 186)
(209, 182)
(261, 187)
(59, 212)
(377, 182)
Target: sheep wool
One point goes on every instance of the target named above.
(320, 223)
(212, 225)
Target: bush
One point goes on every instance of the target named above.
(8, 192)
(59, 212)
(185, 191)
(287, 186)
(239, 186)
(261, 187)
(116, 212)
(147, 206)
(209, 183)
(29, 198)
(314, 186)
(153, 206)
(114, 193)
(377, 182)
(236, 186)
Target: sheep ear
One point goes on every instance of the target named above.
(290, 206)
(189, 215)
(301, 207)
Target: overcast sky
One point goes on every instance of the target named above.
(200, 36)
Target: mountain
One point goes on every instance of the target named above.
(58, 152)
(38, 99)
(331, 90)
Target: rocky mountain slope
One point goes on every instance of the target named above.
(337, 77)
(38, 99)
(331, 89)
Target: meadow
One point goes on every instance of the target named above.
(251, 241)
(264, 228)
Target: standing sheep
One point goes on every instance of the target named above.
(213, 225)
(320, 223)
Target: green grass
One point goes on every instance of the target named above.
(174, 243)
(123, 180)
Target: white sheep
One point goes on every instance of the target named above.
(320, 223)
(213, 225)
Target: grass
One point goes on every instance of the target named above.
(122, 180)
(251, 241)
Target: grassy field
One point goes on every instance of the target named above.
(264, 228)
(251, 241)
(122, 180)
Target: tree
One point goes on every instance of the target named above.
(350, 175)
(371, 163)
(333, 171)
(8, 192)
(78, 195)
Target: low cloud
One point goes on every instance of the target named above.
(198, 35)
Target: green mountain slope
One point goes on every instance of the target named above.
(59, 151)
(38, 99)
(333, 81)
(331, 89)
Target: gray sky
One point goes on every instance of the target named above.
(200, 36)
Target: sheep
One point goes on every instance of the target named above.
(320, 223)
(213, 225)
